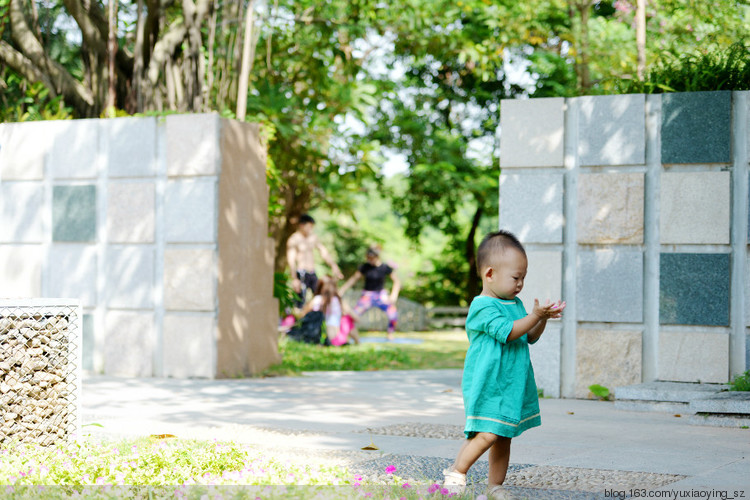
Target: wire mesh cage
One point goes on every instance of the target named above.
(40, 371)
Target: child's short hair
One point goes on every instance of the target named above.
(495, 242)
(306, 218)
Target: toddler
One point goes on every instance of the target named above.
(500, 395)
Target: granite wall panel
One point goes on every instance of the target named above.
(73, 273)
(131, 212)
(545, 358)
(22, 271)
(610, 286)
(132, 146)
(610, 208)
(190, 211)
(611, 358)
(190, 279)
(192, 345)
(74, 213)
(193, 145)
(696, 127)
(22, 212)
(129, 343)
(532, 132)
(130, 277)
(531, 206)
(695, 207)
(612, 130)
(694, 289)
(694, 357)
(75, 149)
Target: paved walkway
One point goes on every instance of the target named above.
(422, 411)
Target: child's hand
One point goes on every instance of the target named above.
(550, 310)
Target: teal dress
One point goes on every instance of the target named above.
(498, 385)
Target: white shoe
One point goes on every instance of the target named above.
(454, 482)
(498, 492)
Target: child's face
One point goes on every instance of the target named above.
(503, 279)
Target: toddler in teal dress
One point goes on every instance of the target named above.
(500, 396)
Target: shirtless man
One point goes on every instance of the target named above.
(301, 258)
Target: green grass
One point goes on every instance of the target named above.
(443, 349)
(147, 468)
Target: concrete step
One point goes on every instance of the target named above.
(703, 404)
(681, 392)
(730, 402)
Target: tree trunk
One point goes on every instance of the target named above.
(584, 72)
(640, 38)
(472, 280)
(247, 63)
(111, 51)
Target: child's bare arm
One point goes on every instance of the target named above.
(534, 323)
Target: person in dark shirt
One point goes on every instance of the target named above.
(374, 294)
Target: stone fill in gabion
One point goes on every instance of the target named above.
(39, 361)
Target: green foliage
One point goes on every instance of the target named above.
(283, 292)
(600, 391)
(724, 69)
(149, 461)
(740, 382)
(21, 101)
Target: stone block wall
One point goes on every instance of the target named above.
(158, 226)
(634, 209)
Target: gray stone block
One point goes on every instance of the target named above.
(72, 273)
(693, 357)
(130, 277)
(129, 344)
(532, 132)
(545, 358)
(21, 271)
(74, 213)
(132, 146)
(75, 150)
(610, 286)
(710, 420)
(610, 208)
(657, 406)
(193, 144)
(695, 208)
(681, 302)
(612, 130)
(189, 345)
(531, 206)
(22, 212)
(131, 212)
(726, 402)
(667, 391)
(24, 148)
(190, 210)
(696, 127)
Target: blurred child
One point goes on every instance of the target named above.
(338, 318)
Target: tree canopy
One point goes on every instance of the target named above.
(341, 84)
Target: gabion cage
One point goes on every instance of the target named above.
(40, 371)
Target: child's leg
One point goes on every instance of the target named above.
(363, 304)
(390, 310)
(472, 449)
(499, 460)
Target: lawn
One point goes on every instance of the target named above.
(437, 349)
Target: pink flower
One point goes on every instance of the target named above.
(433, 488)
(390, 469)
(445, 491)
(406, 486)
